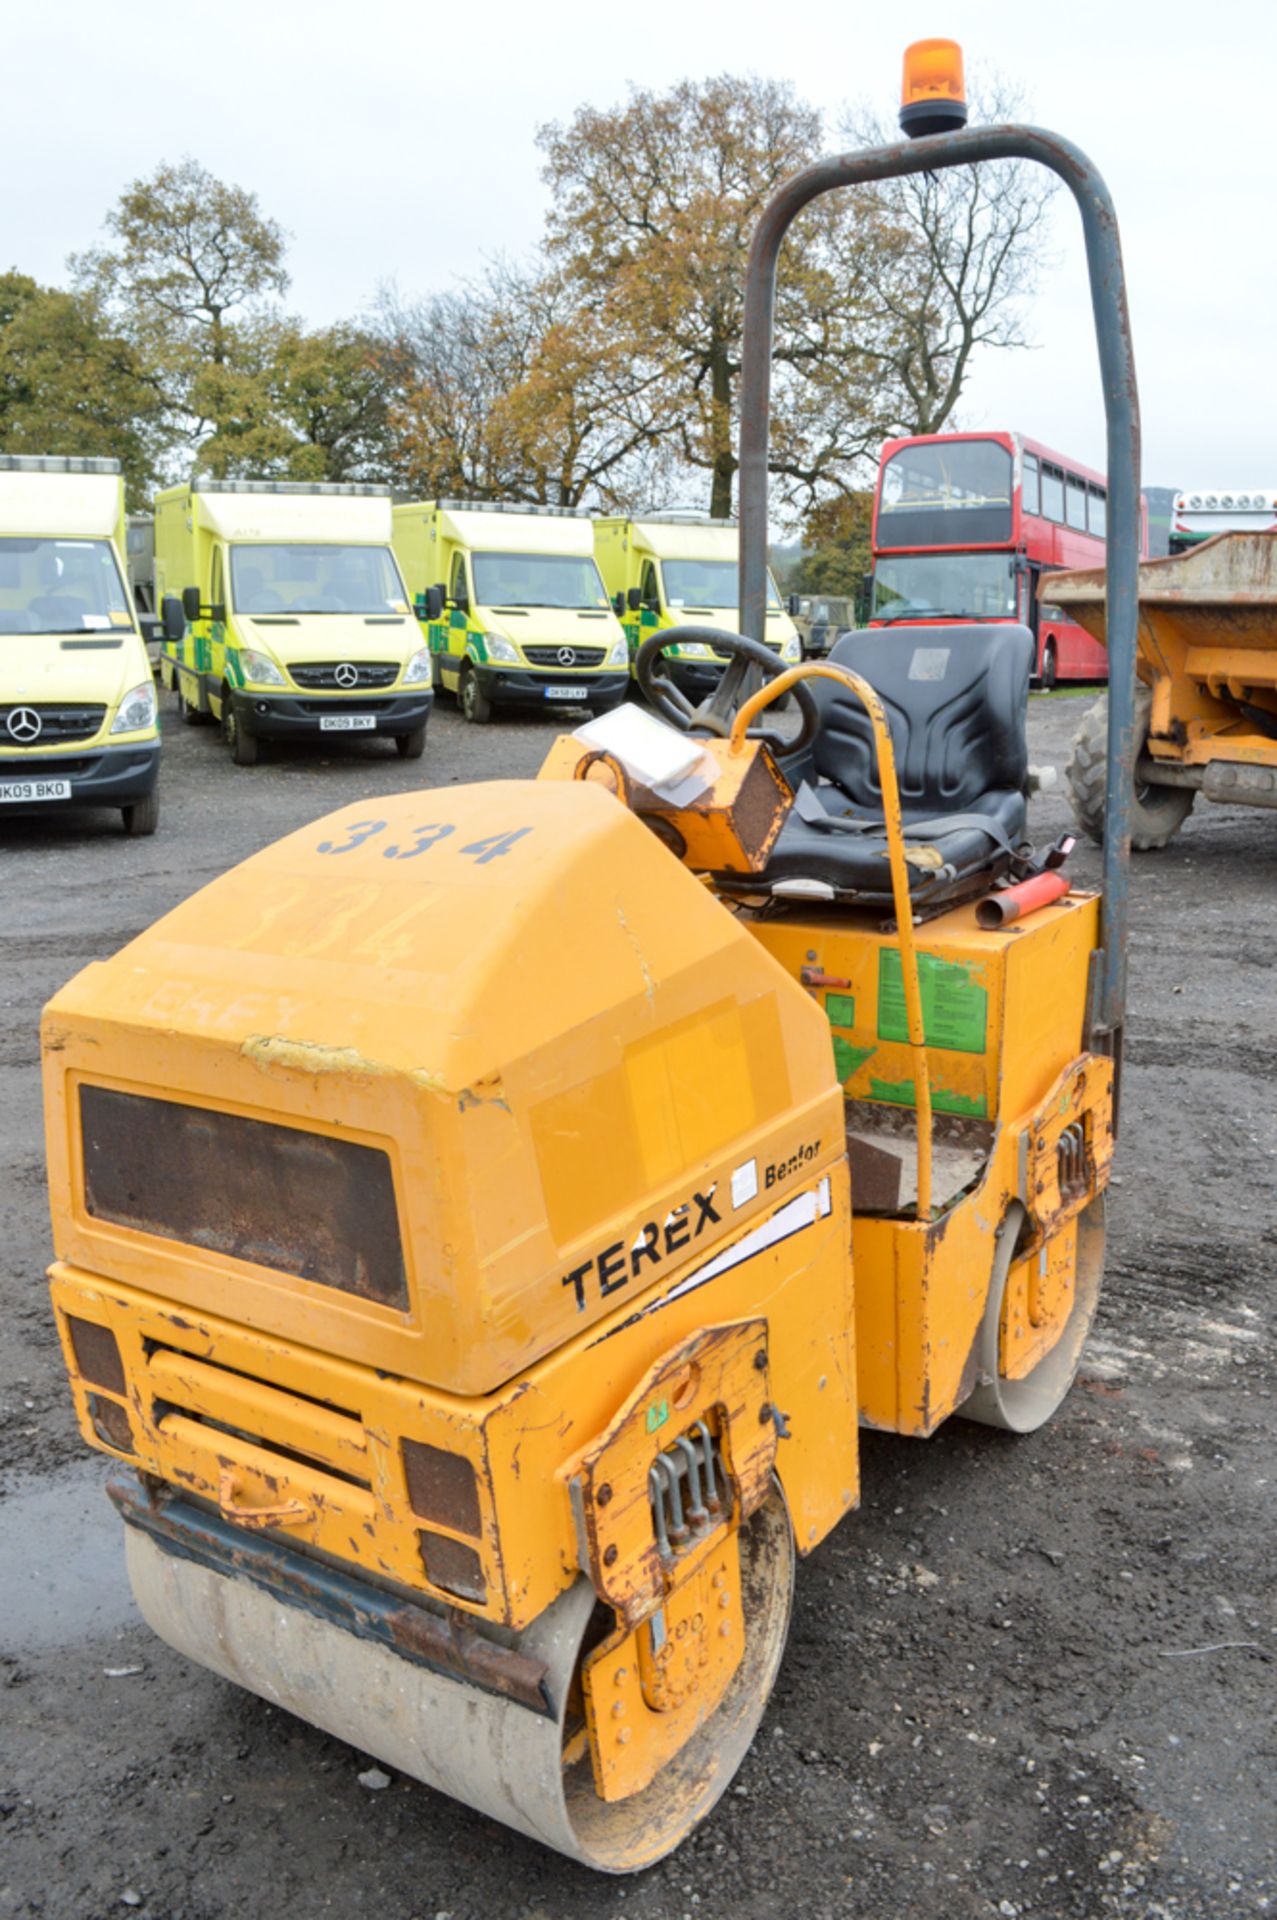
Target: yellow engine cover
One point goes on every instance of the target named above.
(433, 1084)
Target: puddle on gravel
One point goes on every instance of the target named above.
(62, 1576)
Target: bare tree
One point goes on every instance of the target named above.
(444, 375)
(975, 243)
(517, 387)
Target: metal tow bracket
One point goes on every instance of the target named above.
(1071, 1150)
(687, 1485)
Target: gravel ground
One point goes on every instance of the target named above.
(1030, 1678)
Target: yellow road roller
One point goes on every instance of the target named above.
(484, 1219)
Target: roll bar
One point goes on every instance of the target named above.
(1121, 409)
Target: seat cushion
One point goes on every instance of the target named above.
(857, 863)
(956, 698)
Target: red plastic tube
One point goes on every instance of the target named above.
(1013, 902)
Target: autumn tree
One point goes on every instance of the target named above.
(69, 384)
(654, 206)
(837, 545)
(512, 387)
(974, 239)
(296, 405)
(190, 268)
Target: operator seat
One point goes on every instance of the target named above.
(956, 698)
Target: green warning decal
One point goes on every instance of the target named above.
(848, 1058)
(840, 1009)
(955, 1009)
(902, 1093)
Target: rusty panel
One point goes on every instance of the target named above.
(452, 1566)
(96, 1354)
(301, 1203)
(875, 1175)
(442, 1487)
(110, 1422)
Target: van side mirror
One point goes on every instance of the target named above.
(462, 603)
(172, 618)
(191, 603)
(867, 589)
(431, 603)
(618, 603)
(794, 605)
(633, 599)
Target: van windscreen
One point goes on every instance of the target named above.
(712, 584)
(314, 577)
(563, 580)
(61, 586)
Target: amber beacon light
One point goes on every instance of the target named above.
(933, 98)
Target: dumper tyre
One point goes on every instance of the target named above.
(1025, 1404)
(142, 816)
(1157, 812)
(1050, 675)
(243, 745)
(475, 705)
(411, 746)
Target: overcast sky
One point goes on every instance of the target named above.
(395, 140)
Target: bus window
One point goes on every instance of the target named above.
(945, 493)
(1096, 511)
(1052, 493)
(1075, 502)
(1030, 492)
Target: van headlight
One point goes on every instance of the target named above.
(418, 668)
(618, 654)
(137, 709)
(499, 648)
(791, 649)
(260, 669)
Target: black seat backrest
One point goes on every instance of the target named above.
(957, 698)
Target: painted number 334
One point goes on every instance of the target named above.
(423, 838)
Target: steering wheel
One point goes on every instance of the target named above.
(714, 715)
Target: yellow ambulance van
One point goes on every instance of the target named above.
(285, 615)
(667, 570)
(513, 606)
(77, 700)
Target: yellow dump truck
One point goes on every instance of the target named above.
(512, 605)
(285, 615)
(1206, 712)
(674, 569)
(484, 1219)
(77, 700)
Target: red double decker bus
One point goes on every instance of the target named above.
(965, 526)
